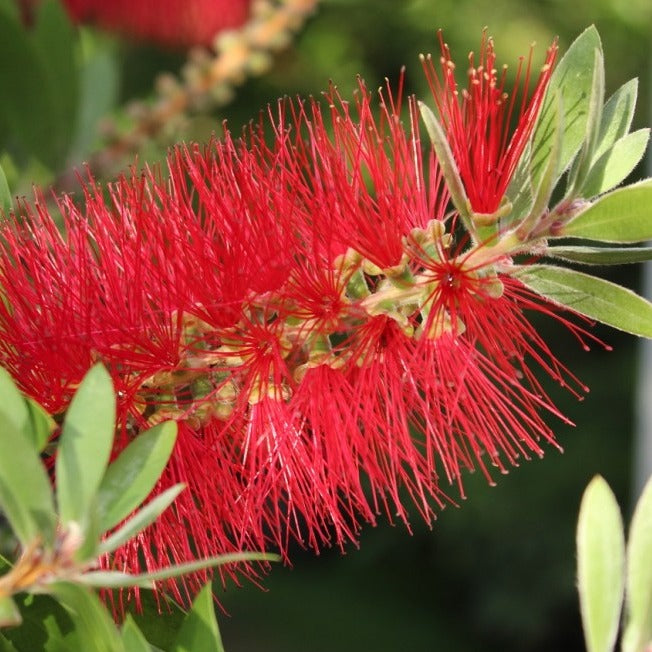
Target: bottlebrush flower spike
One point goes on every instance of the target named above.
(478, 120)
(304, 307)
(171, 23)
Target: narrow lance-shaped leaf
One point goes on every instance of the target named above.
(9, 614)
(582, 164)
(200, 631)
(616, 164)
(573, 77)
(133, 638)
(141, 519)
(621, 216)
(25, 492)
(600, 565)
(638, 628)
(5, 194)
(132, 476)
(85, 445)
(119, 580)
(95, 628)
(593, 297)
(617, 116)
(601, 255)
(447, 164)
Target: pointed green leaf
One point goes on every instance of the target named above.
(600, 565)
(25, 492)
(601, 255)
(132, 476)
(448, 165)
(590, 296)
(616, 164)
(638, 629)
(582, 163)
(85, 445)
(9, 614)
(117, 579)
(133, 638)
(54, 40)
(200, 631)
(41, 424)
(141, 519)
(548, 178)
(621, 216)
(617, 116)
(5, 194)
(520, 192)
(95, 627)
(573, 78)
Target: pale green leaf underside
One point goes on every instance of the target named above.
(600, 565)
(601, 255)
(593, 297)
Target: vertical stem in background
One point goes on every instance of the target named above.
(642, 467)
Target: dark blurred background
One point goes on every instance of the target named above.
(496, 572)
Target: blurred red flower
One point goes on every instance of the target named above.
(171, 23)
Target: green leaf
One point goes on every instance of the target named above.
(638, 629)
(617, 116)
(117, 579)
(582, 163)
(600, 565)
(601, 255)
(5, 194)
(41, 424)
(132, 476)
(593, 297)
(616, 164)
(9, 613)
(548, 178)
(47, 626)
(54, 40)
(133, 638)
(85, 445)
(28, 108)
(141, 519)
(621, 216)
(25, 492)
(573, 78)
(99, 90)
(200, 630)
(448, 165)
(95, 627)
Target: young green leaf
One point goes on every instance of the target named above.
(85, 445)
(601, 255)
(132, 476)
(582, 164)
(141, 519)
(447, 164)
(117, 579)
(638, 628)
(5, 194)
(573, 78)
(616, 164)
(200, 630)
(617, 116)
(41, 424)
(590, 296)
(133, 638)
(25, 492)
(95, 628)
(621, 216)
(600, 565)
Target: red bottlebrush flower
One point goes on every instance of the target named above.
(300, 306)
(172, 23)
(480, 124)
